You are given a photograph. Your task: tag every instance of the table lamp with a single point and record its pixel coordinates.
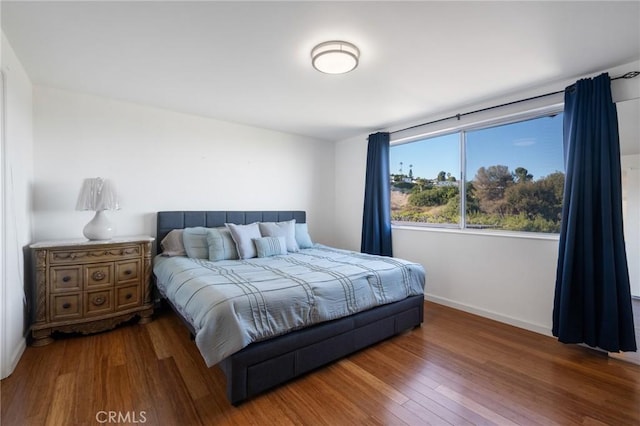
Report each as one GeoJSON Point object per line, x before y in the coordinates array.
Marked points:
{"type": "Point", "coordinates": [98, 194]}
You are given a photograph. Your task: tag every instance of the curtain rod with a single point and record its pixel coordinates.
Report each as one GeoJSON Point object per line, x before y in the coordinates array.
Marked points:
{"type": "Point", "coordinates": [630, 74]}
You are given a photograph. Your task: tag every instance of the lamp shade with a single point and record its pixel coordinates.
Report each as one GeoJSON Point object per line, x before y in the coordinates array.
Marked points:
{"type": "Point", "coordinates": [97, 194]}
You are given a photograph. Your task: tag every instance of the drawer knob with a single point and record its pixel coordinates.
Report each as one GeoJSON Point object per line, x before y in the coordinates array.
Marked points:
{"type": "Point", "coordinates": [98, 275]}
{"type": "Point", "coordinates": [66, 305]}
{"type": "Point", "coordinates": [128, 272]}
{"type": "Point", "coordinates": [128, 296]}
{"type": "Point", "coordinates": [99, 300]}
{"type": "Point", "coordinates": [66, 278]}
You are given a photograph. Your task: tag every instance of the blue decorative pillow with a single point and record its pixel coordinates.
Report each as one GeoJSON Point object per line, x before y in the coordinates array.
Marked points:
{"type": "Point", "coordinates": [281, 229]}
{"type": "Point", "coordinates": [302, 236]}
{"type": "Point", "coordinates": [270, 246]}
{"type": "Point", "coordinates": [195, 242]}
{"type": "Point", "coordinates": [221, 244]}
{"type": "Point", "coordinates": [243, 236]}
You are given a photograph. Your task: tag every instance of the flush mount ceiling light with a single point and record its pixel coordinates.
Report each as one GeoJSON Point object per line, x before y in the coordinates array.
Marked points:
{"type": "Point", "coordinates": [335, 57]}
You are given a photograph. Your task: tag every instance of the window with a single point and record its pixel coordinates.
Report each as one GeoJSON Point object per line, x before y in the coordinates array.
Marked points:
{"type": "Point", "coordinates": [511, 173]}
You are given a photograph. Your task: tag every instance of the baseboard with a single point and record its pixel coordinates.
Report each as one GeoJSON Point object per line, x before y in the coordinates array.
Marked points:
{"type": "Point", "coordinates": [536, 328]}
{"type": "Point", "coordinates": [8, 368]}
{"type": "Point", "coordinates": [632, 357]}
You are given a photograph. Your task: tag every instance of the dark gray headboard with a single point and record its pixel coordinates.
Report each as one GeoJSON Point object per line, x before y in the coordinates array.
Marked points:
{"type": "Point", "coordinates": [211, 219]}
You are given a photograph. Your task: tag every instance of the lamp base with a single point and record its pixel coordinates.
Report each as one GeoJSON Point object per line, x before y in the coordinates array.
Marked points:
{"type": "Point", "coordinates": [99, 228]}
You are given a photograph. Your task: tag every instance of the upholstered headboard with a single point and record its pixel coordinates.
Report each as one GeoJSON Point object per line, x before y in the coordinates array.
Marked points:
{"type": "Point", "coordinates": [211, 219]}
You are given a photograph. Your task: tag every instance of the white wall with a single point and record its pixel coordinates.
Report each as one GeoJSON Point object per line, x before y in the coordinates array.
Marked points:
{"type": "Point", "coordinates": [628, 114]}
{"type": "Point", "coordinates": [631, 205]}
{"type": "Point", "coordinates": [162, 160]}
{"type": "Point", "coordinates": [631, 215]}
{"type": "Point", "coordinates": [507, 278]}
{"type": "Point", "coordinates": [16, 184]}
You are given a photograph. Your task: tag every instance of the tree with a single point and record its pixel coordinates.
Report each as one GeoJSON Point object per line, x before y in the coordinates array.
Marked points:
{"type": "Point", "coordinates": [396, 178]}
{"type": "Point", "coordinates": [471, 201]}
{"type": "Point", "coordinates": [522, 175]}
{"type": "Point", "coordinates": [556, 182]}
{"type": "Point", "coordinates": [403, 186]}
{"type": "Point", "coordinates": [436, 196]}
{"type": "Point", "coordinates": [540, 199]}
{"type": "Point", "coordinates": [490, 185]}
{"type": "Point", "coordinates": [442, 176]}
{"type": "Point", "coordinates": [422, 184]}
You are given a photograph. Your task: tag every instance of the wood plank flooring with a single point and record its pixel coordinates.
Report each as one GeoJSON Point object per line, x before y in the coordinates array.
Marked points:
{"type": "Point", "coordinates": [456, 369]}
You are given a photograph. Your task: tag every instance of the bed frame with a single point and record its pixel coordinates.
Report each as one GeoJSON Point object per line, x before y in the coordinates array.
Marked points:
{"type": "Point", "coordinates": [263, 365]}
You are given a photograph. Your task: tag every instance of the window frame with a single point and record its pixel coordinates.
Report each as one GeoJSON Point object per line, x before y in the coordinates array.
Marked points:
{"type": "Point", "coordinates": [462, 129]}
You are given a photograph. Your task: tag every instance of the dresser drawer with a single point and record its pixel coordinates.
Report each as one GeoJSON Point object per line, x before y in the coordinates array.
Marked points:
{"type": "Point", "coordinates": [66, 278]}
{"type": "Point", "coordinates": [98, 275]}
{"type": "Point", "coordinates": [94, 255]}
{"type": "Point", "coordinates": [98, 302]}
{"type": "Point", "coordinates": [127, 297]}
{"type": "Point", "coordinates": [66, 306]}
{"type": "Point", "coordinates": [127, 271]}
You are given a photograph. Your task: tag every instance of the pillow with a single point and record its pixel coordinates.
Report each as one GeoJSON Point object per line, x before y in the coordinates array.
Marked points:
{"type": "Point", "coordinates": [281, 229]}
{"type": "Point", "coordinates": [302, 236]}
{"type": "Point", "coordinates": [243, 236]}
{"type": "Point", "coordinates": [172, 244]}
{"type": "Point", "coordinates": [195, 242]}
{"type": "Point", "coordinates": [221, 245]}
{"type": "Point", "coordinates": [270, 246]}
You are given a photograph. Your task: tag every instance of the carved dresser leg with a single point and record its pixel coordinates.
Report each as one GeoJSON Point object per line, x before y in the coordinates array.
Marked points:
{"type": "Point", "coordinates": [41, 337]}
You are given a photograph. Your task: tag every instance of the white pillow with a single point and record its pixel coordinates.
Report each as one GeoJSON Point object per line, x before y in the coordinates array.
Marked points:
{"type": "Point", "coordinates": [281, 229]}
{"type": "Point", "coordinates": [243, 236]}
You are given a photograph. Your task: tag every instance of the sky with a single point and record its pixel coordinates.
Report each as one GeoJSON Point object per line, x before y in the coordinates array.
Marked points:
{"type": "Point", "coordinates": [534, 144]}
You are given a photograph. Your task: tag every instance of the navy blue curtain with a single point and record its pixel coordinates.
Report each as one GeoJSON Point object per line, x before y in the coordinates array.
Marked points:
{"type": "Point", "coordinates": [376, 218]}
{"type": "Point", "coordinates": [592, 298]}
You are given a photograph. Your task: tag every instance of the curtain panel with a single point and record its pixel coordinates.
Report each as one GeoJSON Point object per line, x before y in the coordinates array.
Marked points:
{"type": "Point", "coordinates": [592, 296]}
{"type": "Point", "coordinates": [376, 219]}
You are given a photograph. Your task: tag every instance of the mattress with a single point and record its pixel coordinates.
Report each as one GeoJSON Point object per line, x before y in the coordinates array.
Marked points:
{"type": "Point", "coordinates": [232, 303]}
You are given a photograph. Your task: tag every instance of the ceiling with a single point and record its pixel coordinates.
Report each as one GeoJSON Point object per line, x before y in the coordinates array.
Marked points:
{"type": "Point", "coordinates": [249, 62]}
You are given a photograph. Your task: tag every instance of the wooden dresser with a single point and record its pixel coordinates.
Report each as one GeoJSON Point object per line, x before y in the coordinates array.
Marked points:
{"type": "Point", "coordinates": [89, 286]}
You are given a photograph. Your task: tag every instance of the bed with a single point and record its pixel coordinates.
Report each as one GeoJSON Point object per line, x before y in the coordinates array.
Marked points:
{"type": "Point", "coordinates": [267, 358]}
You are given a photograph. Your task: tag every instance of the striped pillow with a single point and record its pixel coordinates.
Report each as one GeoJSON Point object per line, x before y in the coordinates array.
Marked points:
{"type": "Point", "coordinates": [270, 246]}
{"type": "Point", "coordinates": [281, 229]}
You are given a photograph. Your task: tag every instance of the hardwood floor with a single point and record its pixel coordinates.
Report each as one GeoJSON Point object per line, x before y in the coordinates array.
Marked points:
{"type": "Point", "coordinates": [456, 369]}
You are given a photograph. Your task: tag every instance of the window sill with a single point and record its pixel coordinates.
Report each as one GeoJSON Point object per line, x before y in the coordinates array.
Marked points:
{"type": "Point", "coordinates": [484, 232]}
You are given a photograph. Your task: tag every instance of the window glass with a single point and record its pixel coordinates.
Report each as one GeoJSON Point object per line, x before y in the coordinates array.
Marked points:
{"type": "Point", "coordinates": [425, 181]}
{"type": "Point", "coordinates": [513, 178]}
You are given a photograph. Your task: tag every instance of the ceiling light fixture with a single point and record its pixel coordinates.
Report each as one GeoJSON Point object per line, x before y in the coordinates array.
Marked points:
{"type": "Point", "coordinates": [335, 57]}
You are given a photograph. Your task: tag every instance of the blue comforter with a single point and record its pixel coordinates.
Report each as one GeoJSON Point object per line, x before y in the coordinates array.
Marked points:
{"type": "Point", "coordinates": [233, 303]}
